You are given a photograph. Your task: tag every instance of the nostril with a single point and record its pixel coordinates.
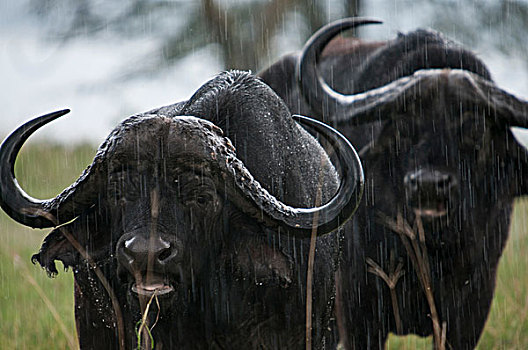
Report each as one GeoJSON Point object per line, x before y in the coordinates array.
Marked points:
{"type": "Point", "coordinates": [138, 251]}
{"type": "Point", "coordinates": [165, 254]}
{"type": "Point", "coordinates": [411, 181]}
{"type": "Point", "coordinates": [135, 250]}
{"type": "Point", "coordinates": [127, 251]}
{"type": "Point", "coordinates": [130, 246]}
{"type": "Point", "coordinates": [446, 182]}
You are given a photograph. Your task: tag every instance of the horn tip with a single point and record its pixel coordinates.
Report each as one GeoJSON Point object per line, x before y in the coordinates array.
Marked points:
{"type": "Point", "coordinates": [63, 111]}
{"type": "Point", "coordinates": [54, 115]}
{"type": "Point", "coordinates": [363, 20]}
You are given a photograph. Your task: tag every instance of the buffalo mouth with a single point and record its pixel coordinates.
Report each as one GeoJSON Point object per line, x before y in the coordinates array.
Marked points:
{"type": "Point", "coordinates": [152, 289]}
{"type": "Point", "coordinates": [436, 210]}
{"type": "Point", "coordinates": [152, 286]}
{"type": "Point", "coordinates": [430, 208]}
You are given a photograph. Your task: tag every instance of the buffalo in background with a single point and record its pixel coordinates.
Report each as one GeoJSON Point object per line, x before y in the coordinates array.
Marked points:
{"type": "Point", "coordinates": [442, 169]}
{"type": "Point", "coordinates": [173, 230]}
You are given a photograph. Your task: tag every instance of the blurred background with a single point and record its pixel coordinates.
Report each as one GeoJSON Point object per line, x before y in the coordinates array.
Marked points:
{"type": "Point", "coordinates": [109, 59]}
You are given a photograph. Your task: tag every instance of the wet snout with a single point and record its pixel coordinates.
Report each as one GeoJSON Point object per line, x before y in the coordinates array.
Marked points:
{"type": "Point", "coordinates": [139, 250]}
{"type": "Point", "coordinates": [150, 261]}
{"type": "Point", "coordinates": [429, 181]}
{"type": "Point", "coordinates": [428, 191]}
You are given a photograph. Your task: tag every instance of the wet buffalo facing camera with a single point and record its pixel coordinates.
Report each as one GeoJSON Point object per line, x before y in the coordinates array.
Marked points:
{"type": "Point", "coordinates": [171, 229]}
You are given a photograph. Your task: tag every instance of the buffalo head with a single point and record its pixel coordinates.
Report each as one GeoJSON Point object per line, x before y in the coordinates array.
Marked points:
{"type": "Point", "coordinates": [440, 160]}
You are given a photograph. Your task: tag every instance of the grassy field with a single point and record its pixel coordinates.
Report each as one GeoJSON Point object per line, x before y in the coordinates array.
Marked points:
{"type": "Point", "coordinates": [36, 312]}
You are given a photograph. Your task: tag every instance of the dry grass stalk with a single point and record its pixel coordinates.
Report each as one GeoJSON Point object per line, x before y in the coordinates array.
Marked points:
{"type": "Point", "coordinates": [522, 318]}
{"type": "Point", "coordinates": [311, 258]}
{"type": "Point", "coordinates": [391, 280]}
{"type": "Point", "coordinates": [417, 252]}
{"type": "Point", "coordinates": [100, 276]}
{"type": "Point", "coordinates": [144, 334]}
{"type": "Point", "coordinates": [309, 286]}
{"type": "Point", "coordinates": [69, 337]}
{"type": "Point", "coordinates": [339, 314]}
{"type": "Point", "coordinates": [154, 214]}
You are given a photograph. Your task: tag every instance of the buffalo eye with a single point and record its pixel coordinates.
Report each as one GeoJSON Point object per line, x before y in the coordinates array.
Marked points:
{"type": "Point", "coordinates": [473, 132]}
{"type": "Point", "coordinates": [198, 197]}
{"type": "Point", "coordinates": [202, 199]}
{"type": "Point", "coordinates": [197, 191]}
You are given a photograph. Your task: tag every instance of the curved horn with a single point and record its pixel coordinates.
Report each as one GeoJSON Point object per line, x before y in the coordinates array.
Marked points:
{"type": "Point", "coordinates": [301, 221]}
{"type": "Point", "coordinates": [374, 104]}
{"type": "Point", "coordinates": [470, 87]}
{"type": "Point", "coordinates": [321, 97]}
{"type": "Point", "coordinates": [453, 84]}
{"type": "Point", "coordinates": [246, 192]}
{"type": "Point", "coordinates": [15, 201]}
{"type": "Point", "coordinates": [344, 204]}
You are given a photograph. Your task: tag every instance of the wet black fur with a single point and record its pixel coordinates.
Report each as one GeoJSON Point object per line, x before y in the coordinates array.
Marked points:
{"type": "Point", "coordinates": [464, 140]}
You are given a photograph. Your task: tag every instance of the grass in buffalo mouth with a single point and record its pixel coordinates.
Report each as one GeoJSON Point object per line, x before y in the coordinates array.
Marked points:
{"type": "Point", "coordinates": [143, 331]}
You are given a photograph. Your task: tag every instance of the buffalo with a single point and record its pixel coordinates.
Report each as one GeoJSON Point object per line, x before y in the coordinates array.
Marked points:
{"type": "Point", "coordinates": [181, 237]}
{"type": "Point", "coordinates": [351, 66]}
{"type": "Point", "coordinates": [442, 169]}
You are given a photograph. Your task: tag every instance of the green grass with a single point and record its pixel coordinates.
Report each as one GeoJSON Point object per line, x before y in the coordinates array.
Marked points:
{"type": "Point", "coordinates": [26, 322]}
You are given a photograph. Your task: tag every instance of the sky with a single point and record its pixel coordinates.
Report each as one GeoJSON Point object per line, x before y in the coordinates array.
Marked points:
{"type": "Point", "coordinates": [85, 75]}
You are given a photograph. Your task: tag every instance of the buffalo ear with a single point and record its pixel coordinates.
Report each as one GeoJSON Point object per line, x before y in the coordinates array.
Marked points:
{"type": "Point", "coordinates": [257, 260]}
{"type": "Point", "coordinates": [56, 247]}
{"type": "Point", "coordinates": [523, 171]}
{"type": "Point", "coordinates": [250, 256]}
{"type": "Point", "coordinates": [520, 155]}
